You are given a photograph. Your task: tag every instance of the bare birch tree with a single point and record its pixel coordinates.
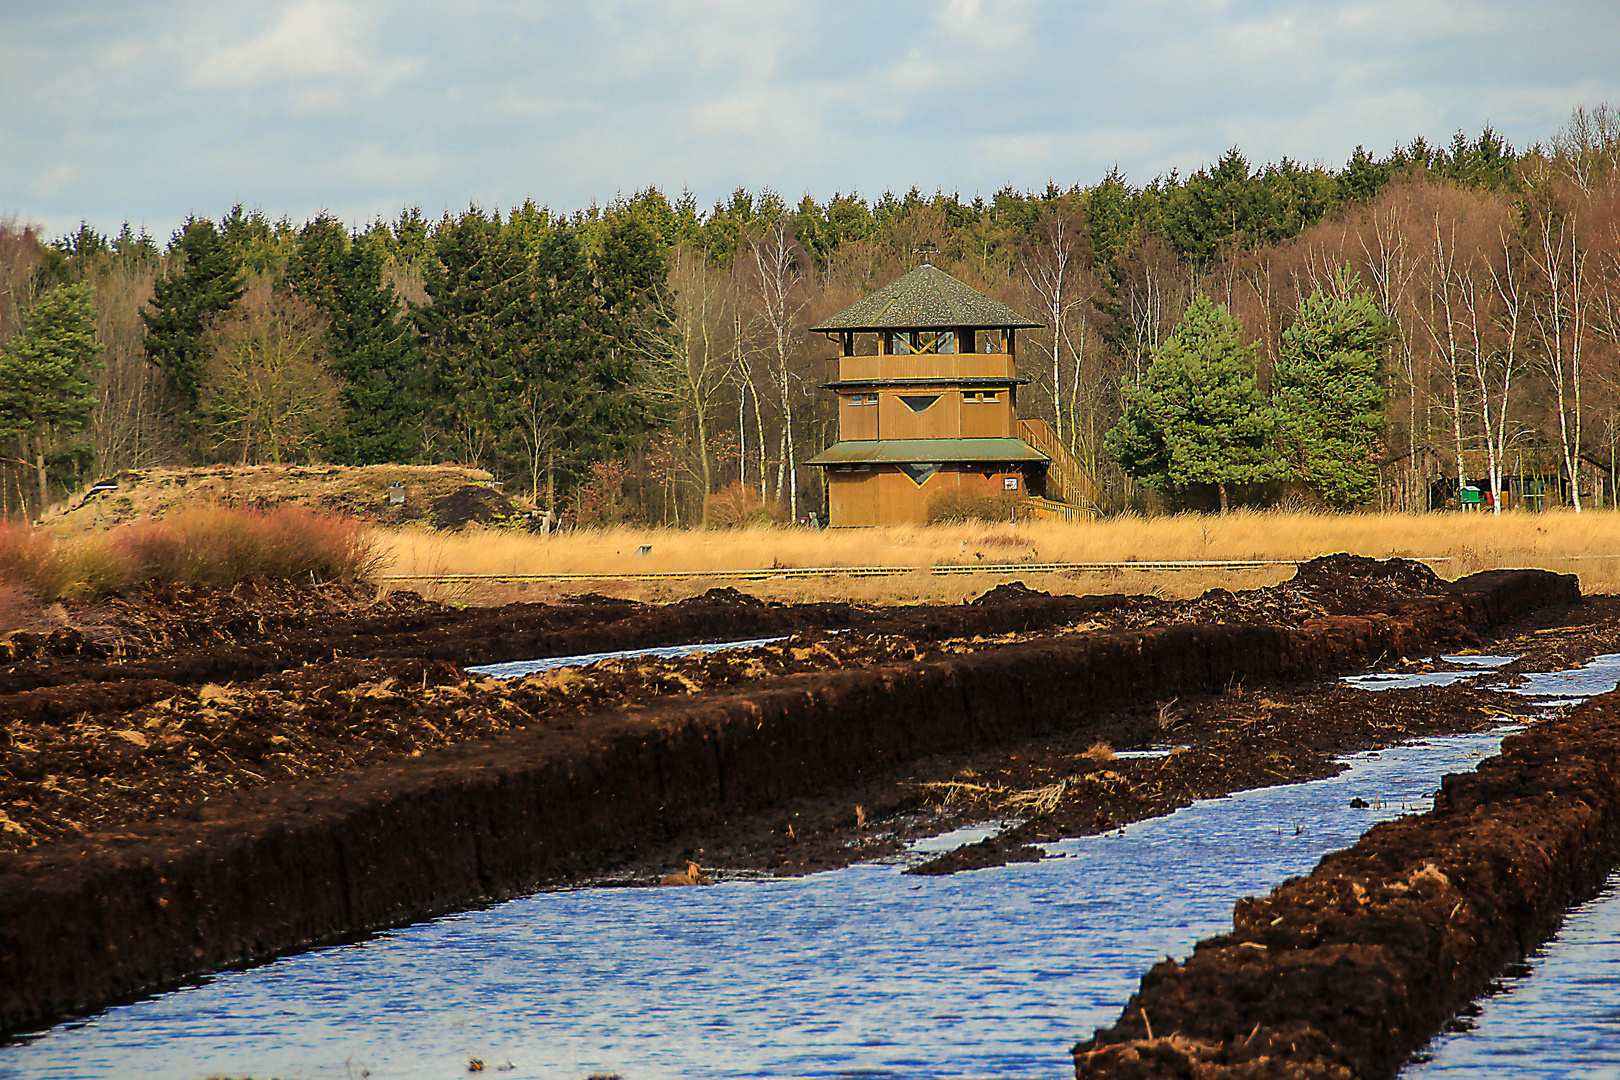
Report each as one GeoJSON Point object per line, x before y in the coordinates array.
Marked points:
{"type": "Point", "coordinates": [1393, 265]}
{"type": "Point", "coordinates": [777, 279]}
{"type": "Point", "coordinates": [686, 356]}
{"type": "Point", "coordinates": [1559, 259]}
{"type": "Point", "coordinates": [1442, 321]}
{"type": "Point", "coordinates": [1055, 266]}
{"type": "Point", "coordinates": [1495, 309]}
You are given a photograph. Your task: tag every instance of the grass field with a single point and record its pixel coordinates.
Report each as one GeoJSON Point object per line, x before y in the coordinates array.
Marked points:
{"type": "Point", "coordinates": [1563, 541]}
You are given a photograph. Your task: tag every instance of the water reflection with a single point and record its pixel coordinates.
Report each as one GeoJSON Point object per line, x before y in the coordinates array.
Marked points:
{"type": "Point", "coordinates": [516, 669]}
{"type": "Point", "coordinates": [863, 970]}
{"type": "Point", "coordinates": [1561, 1019]}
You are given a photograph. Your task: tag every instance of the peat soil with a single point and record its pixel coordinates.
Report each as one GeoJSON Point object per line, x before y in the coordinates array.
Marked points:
{"type": "Point", "coordinates": [151, 704]}
{"type": "Point", "coordinates": [1347, 971]}
{"type": "Point", "coordinates": [1206, 746]}
{"type": "Point", "coordinates": [195, 779]}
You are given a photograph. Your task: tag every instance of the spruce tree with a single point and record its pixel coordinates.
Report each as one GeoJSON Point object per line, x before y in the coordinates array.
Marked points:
{"type": "Point", "coordinates": [202, 282]}
{"type": "Point", "coordinates": [477, 333]}
{"type": "Point", "coordinates": [367, 345]}
{"type": "Point", "coordinates": [1198, 417]}
{"type": "Point", "coordinates": [47, 372]}
{"type": "Point", "coordinates": [1330, 401]}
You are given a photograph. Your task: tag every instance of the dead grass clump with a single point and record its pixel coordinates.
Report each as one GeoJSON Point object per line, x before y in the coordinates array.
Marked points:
{"type": "Point", "coordinates": [220, 546]}
{"type": "Point", "coordinates": [1099, 751]}
{"type": "Point", "coordinates": [51, 569]}
{"type": "Point", "coordinates": [738, 505]}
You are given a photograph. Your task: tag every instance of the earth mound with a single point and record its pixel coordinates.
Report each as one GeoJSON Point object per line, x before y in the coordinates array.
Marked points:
{"type": "Point", "coordinates": [436, 496]}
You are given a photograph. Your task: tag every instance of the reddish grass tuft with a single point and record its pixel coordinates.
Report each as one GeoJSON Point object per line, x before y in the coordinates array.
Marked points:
{"type": "Point", "coordinates": [961, 505]}
{"type": "Point", "coordinates": [738, 505]}
{"type": "Point", "coordinates": [51, 569]}
{"type": "Point", "coordinates": [204, 546]}
{"type": "Point", "coordinates": [220, 546]}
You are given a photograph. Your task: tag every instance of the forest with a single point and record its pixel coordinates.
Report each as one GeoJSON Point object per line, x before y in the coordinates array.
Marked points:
{"type": "Point", "coordinates": [1389, 335]}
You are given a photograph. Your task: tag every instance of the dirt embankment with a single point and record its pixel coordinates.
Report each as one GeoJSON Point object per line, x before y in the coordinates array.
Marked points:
{"type": "Point", "coordinates": [1347, 971]}
{"type": "Point", "coordinates": [562, 786]}
{"type": "Point", "coordinates": [434, 496]}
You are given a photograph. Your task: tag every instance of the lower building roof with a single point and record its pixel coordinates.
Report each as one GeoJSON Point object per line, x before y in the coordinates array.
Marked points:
{"type": "Point", "coordinates": [902, 451]}
{"type": "Point", "coordinates": [901, 384]}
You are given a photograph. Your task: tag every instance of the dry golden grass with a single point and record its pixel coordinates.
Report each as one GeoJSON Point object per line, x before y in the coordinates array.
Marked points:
{"type": "Point", "coordinates": [1561, 541]}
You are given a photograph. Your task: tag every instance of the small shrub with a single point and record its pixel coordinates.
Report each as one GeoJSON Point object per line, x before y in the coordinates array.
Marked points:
{"type": "Point", "coordinates": [601, 501]}
{"type": "Point", "coordinates": [737, 506]}
{"type": "Point", "coordinates": [963, 504]}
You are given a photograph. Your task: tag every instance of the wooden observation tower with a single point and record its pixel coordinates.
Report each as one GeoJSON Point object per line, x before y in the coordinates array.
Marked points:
{"type": "Point", "coordinates": [928, 403]}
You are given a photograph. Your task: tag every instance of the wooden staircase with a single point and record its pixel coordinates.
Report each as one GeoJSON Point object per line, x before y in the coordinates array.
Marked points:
{"type": "Point", "coordinates": [1068, 484]}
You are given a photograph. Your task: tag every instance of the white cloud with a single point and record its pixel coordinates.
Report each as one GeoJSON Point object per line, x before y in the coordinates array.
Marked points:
{"type": "Point", "coordinates": [364, 106]}
{"type": "Point", "coordinates": [312, 37]}
{"type": "Point", "coordinates": [55, 179]}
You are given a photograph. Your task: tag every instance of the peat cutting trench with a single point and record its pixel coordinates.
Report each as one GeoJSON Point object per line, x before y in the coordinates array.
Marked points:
{"type": "Point", "coordinates": [199, 780]}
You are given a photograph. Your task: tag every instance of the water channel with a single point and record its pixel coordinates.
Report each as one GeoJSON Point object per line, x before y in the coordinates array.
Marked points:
{"type": "Point", "coordinates": [854, 972]}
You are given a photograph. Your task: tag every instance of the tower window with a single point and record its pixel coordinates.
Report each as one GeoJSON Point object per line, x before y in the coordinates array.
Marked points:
{"type": "Point", "coordinates": [919, 471]}
{"type": "Point", "coordinates": [922, 341]}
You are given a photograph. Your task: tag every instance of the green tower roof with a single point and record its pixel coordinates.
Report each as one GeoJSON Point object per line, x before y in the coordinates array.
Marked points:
{"type": "Point", "coordinates": [926, 299]}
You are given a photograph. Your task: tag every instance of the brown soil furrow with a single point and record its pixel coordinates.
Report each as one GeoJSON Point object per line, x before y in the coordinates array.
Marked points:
{"type": "Point", "coordinates": [296, 864]}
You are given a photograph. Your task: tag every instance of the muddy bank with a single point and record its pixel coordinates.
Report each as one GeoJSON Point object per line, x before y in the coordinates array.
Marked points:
{"type": "Point", "coordinates": [1346, 972]}
{"type": "Point", "coordinates": [201, 693]}
{"type": "Point", "coordinates": [289, 865]}
{"type": "Point", "coordinates": [186, 636]}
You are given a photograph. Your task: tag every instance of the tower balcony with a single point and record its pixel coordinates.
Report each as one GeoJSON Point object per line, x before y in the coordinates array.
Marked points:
{"type": "Point", "coordinates": [926, 366]}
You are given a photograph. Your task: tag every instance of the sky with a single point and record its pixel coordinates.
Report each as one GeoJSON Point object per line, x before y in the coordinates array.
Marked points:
{"type": "Point", "coordinates": [152, 110]}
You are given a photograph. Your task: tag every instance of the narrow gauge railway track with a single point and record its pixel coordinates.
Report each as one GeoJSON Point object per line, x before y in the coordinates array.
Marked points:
{"type": "Point", "coordinates": [766, 573]}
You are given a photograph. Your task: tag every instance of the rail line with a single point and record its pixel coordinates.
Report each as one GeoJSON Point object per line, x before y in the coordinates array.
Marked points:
{"type": "Point", "coordinates": [999, 569]}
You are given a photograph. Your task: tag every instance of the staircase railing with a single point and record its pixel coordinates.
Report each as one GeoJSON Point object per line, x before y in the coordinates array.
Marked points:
{"type": "Point", "coordinates": [1067, 480]}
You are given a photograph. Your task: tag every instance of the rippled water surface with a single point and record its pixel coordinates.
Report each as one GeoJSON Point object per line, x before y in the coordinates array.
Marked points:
{"type": "Point", "coordinates": [516, 669]}
{"type": "Point", "coordinates": [1562, 1019]}
{"type": "Point", "coordinates": [855, 972]}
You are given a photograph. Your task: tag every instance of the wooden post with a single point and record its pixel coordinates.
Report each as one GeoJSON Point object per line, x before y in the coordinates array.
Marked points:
{"type": "Point", "coordinates": [44, 485]}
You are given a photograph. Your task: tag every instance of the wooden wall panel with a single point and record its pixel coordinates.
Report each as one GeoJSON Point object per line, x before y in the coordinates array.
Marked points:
{"type": "Point", "coordinates": [941, 420]}
{"type": "Point", "coordinates": [887, 496]}
{"type": "Point", "coordinates": [852, 499]}
{"type": "Point", "coordinates": [858, 422]}
{"type": "Point", "coordinates": [988, 420]}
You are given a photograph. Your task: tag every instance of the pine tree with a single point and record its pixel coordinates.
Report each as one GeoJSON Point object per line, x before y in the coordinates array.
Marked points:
{"type": "Point", "coordinates": [202, 281]}
{"type": "Point", "coordinates": [1330, 402]}
{"type": "Point", "coordinates": [47, 372]}
{"type": "Point", "coordinates": [1198, 417]}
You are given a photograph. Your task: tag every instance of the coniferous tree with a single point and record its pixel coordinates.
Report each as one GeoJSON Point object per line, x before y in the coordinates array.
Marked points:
{"type": "Point", "coordinates": [47, 372]}
{"type": "Point", "coordinates": [1330, 401]}
{"type": "Point", "coordinates": [477, 332]}
{"type": "Point", "coordinates": [204, 283]}
{"type": "Point", "coordinates": [1198, 417]}
{"type": "Point", "coordinates": [367, 345]}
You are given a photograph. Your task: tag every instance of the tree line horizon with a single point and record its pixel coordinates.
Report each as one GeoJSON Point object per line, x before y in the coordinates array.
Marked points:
{"type": "Point", "coordinates": [1342, 338]}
